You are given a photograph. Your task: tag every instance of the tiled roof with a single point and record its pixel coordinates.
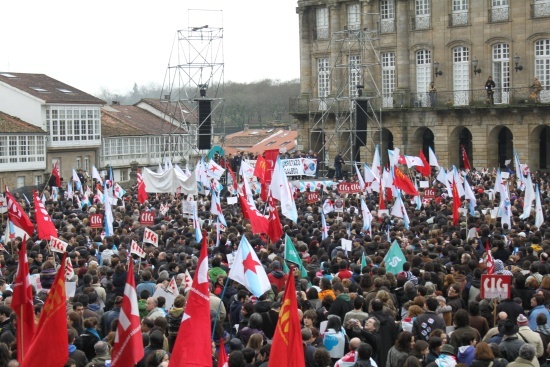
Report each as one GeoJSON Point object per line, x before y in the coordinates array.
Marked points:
{"type": "Point", "coordinates": [47, 89]}
{"type": "Point", "coordinates": [172, 109]}
{"type": "Point", "coordinates": [14, 125]}
{"type": "Point", "coordinates": [131, 121]}
{"type": "Point", "coordinates": [257, 141]}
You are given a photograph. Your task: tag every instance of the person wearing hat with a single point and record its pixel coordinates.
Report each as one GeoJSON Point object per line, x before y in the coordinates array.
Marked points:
{"type": "Point", "coordinates": [234, 344]}
{"type": "Point", "coordinates": [277, 277]}
{"type": "Point", "coordinates": [447, 357]}
{"type": "Point", "coordinates": [528, 335]}
{"type": "Point", "coordinates": [510, 344]}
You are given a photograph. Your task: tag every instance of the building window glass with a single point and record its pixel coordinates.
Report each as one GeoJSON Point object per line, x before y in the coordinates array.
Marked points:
{"type": "Point", "coordinates": [422, 12]}
{"type": "Point", "coordinates": [354, 74]}
{"type": "Point", "coordinates": [388, 78]}
{"type": "Point", "coordinates": [323, 81]}
{"type": "Point", "coordinates": [542, 67]}
{"type": "Point", "coordinates": [499, 11]}
{"type": "Point", "coordinates": [461, 76]}
{"type": "Point", "coordinates": [22, 149]}
{"type": "Point", "coordinates": [322, 23]}
{"type": "Point", "coordinates": [423, 76]}
{"type": "Point", "coordinates": [387, 13]}
{"type": "Point", "coordinates": [38, 179]}
{"type": "Point", "coordinates": [501, 72]}
{"type": "Point", "coordinates": [73, 123]}
{"type": "Point", "coordinates": [459, 16]}
{"type": "Point", "coordinates": [20, 182]}
{"type": "Point", "coordinates": [354, 17]}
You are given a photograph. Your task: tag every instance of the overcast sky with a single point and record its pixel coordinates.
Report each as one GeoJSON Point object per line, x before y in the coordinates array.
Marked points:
{"type": "Point", "coordinates": [114, 44]}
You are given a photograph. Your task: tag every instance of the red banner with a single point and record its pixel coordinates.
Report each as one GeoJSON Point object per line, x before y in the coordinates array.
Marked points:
{"type": "Point", "coordinates": [96, 220]}
{"type": "Point", "coordinates": [349, 187]}
{"type": "Point", "coordinates": [429, 193]}
{"type": "Point", "coordinates": [147, 218]}
{"type": "Point", "coordinates": [312, 197]}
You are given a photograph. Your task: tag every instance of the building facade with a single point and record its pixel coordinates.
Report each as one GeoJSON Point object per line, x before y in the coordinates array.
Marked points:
{"type": "Point", "coordinates": [65, 119]}
{"type": "Point", "coordinates": [366, 69]}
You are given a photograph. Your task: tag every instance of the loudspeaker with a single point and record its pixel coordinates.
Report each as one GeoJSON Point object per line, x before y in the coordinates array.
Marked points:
{"type": "Point", "coordinates": [205, 124]}
{"type": "Point", "coordinates": [361, 116]}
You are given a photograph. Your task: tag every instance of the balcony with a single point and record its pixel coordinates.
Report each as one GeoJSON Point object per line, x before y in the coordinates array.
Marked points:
{"type": "Point", "coordinates": [503, 98]}
{"type": "Point", "coordinates": [501, 14]}
{"type": "Point", "coordinates": [540, 9]}
{"type": "Point", "coordinates": [420, 22]}
{"type": "Point", "coordinates": [459, 18]}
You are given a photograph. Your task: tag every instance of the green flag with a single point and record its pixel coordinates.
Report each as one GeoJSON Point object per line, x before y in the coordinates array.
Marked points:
{"type": "Point", "coordinates": [363, 262]}
{"type": "Point", "coordinates": [292, 255]}
{"type": "Point", "coordinates": [394, 259]}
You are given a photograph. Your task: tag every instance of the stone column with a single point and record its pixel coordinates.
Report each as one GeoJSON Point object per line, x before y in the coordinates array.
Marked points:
{"type": "Point", "coordinates": [304, 15]}
{"type": "Point", "coordinates": [402, 51]}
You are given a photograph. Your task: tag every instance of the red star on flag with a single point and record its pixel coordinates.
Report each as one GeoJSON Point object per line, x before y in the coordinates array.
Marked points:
{"type": "Point", "coordinates": [213, 168]}
{"type": "Point", "coordinates": [250, 264]}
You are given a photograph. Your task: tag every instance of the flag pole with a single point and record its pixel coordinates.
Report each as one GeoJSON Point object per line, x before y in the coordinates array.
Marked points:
{"type": "Point", "coordinates": [219, 307]}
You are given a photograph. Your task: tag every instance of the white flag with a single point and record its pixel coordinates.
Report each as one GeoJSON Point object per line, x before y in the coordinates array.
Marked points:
{"type": "Point", "coordinates": [539, 218]}
{"type": "Point", "coordinates": [151, 237]}
{"type": "Point", "coordinates": [187, 280]}
{"type": "Point", "coordinates": [214, 170]}
{"type": "Point", "coordinates": [432, 158]}
{"type": "Point", "coordinates": [95, 174]}
{"type": "Point", "coordinates": [529, 198]}
{"type": "Point", "coordinates": [57, 245]}
{"type": "Point", "coordinates": [280, 190]}
{"type": "Point", "coordinates": [135, 249]}
{"type": "Point", "coordinates": [367, 216]}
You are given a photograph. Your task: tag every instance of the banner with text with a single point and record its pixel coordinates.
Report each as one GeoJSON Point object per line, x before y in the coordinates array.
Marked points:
{"type": "Point", "coordinates": [295, 167]}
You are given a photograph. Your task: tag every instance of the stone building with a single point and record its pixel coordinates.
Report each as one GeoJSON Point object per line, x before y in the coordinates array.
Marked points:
{"type": "Point", "coordinates": [366, 68]}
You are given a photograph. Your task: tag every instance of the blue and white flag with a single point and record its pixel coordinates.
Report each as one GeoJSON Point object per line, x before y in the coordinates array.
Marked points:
{"type": "Point", "coordinates": [118, 191]}
{"type": "Point", "coordinates": [248, 271]}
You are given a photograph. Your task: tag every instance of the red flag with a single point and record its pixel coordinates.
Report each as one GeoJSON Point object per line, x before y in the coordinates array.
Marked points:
{"type": "Point", "coordinates": [193, 346]}
{"type": "Point", "coordinates": [222, 355]}
{"type": "Point", "coordinates": [128, 347]}
{"type": "Point", "coordinates": [142, 194]}
{"type": "Point", "coordinates": [275, 230]}
{"type": "Point", "coordinates": [270, 157]}
{"type": "Point", "coordinates": [287, 341]}
{"type": "Point", "coordinates": [258, 222]}
{"type": "Point", "coordinates": [401, 159]}
{"type": "Point", "coordinates": [51, 330]}
{"type": "Point", "coordinates": [456, 203]}
{"type": "Point", "coordinates": [46, 228]}
{"type": "Point", "coordinates": [56, 174]}
{"type": "Point", "coordinates": [260, 170]}
{"type": "Point", "coordinates": [465, 159]}
{"type": "Point", "coordinates": [425, 170]}
{"type": "Point", "coordinates": [490, 261]}
{"type": "Point", "coordinates": [403, 182]}
{"type": "Point", "coordinates": [17, 215]}
{"type": "Point", "coordinates": [23, 305]}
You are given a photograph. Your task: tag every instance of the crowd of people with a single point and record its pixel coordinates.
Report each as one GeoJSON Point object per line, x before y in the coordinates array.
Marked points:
{"type": "Point", "coordinates": [429, 314]}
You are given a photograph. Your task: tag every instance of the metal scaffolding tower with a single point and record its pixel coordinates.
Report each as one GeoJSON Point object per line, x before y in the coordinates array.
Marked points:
{"type": "Point", "coordinates": [348, 119]}
{"type": "Point", "coordinates": [193, 86]}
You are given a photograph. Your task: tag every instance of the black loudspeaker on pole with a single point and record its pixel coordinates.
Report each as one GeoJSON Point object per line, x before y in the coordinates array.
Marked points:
{"type": "Point", "coordinates": [361, 117]}
{"type": "Point", "coordinates": [205, 124]}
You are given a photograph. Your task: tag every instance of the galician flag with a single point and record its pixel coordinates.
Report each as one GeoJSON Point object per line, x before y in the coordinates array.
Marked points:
{"type": "Point", "coordinates": [394, 259]}
{"type": "Point", "coordinates": [248, 271]}
{"type": "Point", "coordinates": [292, 255]}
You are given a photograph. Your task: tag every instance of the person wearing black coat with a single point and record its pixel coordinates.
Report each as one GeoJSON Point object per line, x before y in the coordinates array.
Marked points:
{"type": "Point", "coordinates": [512, 309]}
{"type": "Point", "coordinates": [342, 304]}
{"type": "Point", "coordinates": [389, 334]}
